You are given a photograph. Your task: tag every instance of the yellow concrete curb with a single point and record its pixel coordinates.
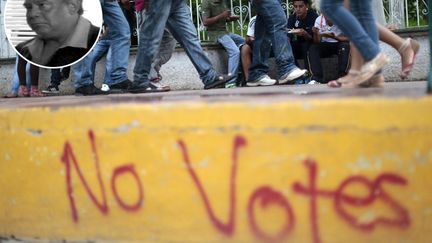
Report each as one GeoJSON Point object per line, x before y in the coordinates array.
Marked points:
{"type": "Point", "coordinates": [336, 170]}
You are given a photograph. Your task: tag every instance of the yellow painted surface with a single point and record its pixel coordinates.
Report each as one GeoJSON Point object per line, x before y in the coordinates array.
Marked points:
{"type": "Point", "coordinates": [255, 164]}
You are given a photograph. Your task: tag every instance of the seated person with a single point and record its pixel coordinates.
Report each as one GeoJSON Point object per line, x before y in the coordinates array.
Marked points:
{"type": "Point", "coordinates": [62, 35]}
{"type": "Point", "coordinates": [328, 40]}
{"type": "Point", "coordinates": [215, 16]}
{"type": "Point", "coordinates": [300, 25]}
{"type": "Point", "coordinates": [246, 50]}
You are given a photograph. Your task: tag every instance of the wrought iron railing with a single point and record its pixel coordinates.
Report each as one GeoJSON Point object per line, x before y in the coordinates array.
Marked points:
{"type": "Point", "coordinates": [399, 13]}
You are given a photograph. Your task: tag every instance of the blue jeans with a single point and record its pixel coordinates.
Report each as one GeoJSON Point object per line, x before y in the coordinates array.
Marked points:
{"type": "Point", "coordinates": [120, 35]}
{"type": "Point", "coordinates": [359, 24]}
{"type": "Point", "coordinates": [175, 15]}
{"type": "Point", "coordinates": [231, 43]}
{"type": "Point", "coordinates": [165, 51]}
{"type": "Point", "coordinates": [269, 31]}
{"type": "Point", "coordinates": [15, 79]}
{"type": "Point", "coordinates": [85, 69]}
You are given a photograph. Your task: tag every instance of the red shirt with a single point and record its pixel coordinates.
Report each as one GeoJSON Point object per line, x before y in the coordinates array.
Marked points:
{"type": "Point", "coordinates": [139, 5]}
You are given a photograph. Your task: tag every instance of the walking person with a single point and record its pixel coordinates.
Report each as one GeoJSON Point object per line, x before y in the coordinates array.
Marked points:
{"type": "Point", "coordinates": [175, 15]}
{"type": "Point", "coordinates": [270, 31]}
{"type": "Point", "coordinates": [407, 48]}
{"type": "Point", "coordinates": [166, 48]}
{"type": "Point", "coordinates": [119, 33]}
{"type": "Point", "coordinates": [360, 27]}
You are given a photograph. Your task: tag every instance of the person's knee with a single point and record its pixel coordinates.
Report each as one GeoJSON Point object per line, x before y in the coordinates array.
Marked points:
{"type": "Point", "coordinates": [235, 52]}
{"type": "Point", "coordinates": [245, 50]}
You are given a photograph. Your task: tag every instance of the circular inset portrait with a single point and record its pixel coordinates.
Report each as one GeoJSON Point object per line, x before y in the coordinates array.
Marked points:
{"type": "Point", "coordinates": [53, 33]}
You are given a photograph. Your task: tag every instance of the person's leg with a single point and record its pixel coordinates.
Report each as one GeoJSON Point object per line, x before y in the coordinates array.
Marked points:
{"type": "Point", "coordinates": [361, 32]}
{"type": "Point", "coordinates": [296, 52]}
{"type": "Point", "coordinates": [55, 76]}
{"type": "Point", "coordinates": [239, 41]}
{"type": "Point", "coordinates": [351, 26]}
{"type": "Point", "coordinates": [34, 75]}
{"type": "Point", "coordinates": [355, 67]}
{"type": "Point", "coordinates": [15, 80]}
{"type": "Point", "coordinates": [21, 68]}
{"type": "Point", "coordinates": [108, 68]}
{"type": "Point", "coordinates": [274, 21]}
{"type": "Point", "coordinates": [343, 52]}
{"type": "Point", "coordinates": [150, 36]}
{"type": "Point", "coordinates": [304, 50]}
{"type": "Point", "coordinates": [102, 48]}
{"type": "Point", "coordinates": [314, 57]}
{"type": "Point", "coordinates": [65, 72]}
{"type": "Point", "coordinates": [120, 35]}
{"type": "Point", "coordinates": [83, 74]}
{"type": "Point", "coordinates": [164, 54]}
{"type": "Point", "coordinates": [407, 48]}
{"type": "Point", "coordinates": [260, 52]}
{"type": "Point", "coordinates": [84, 69]}
{"type": "Point", "coordinates": [362, 10]}
{"type": "Point", "coordinates": [246, 60]}
{"type": "Point", "coordinates": [233, 55]}
{"type": "Point", "coordinates": [185, 33]}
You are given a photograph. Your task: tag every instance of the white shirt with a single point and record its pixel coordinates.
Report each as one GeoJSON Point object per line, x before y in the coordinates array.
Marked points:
{"type": "Point", "coordinates": [323, 27]}
{"type": "Point", "coordinates": [251, 27]}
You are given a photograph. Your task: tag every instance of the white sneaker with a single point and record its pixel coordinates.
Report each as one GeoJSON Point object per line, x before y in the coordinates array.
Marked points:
{"type": "Point", "coordinates": [105, 88]}
{"type": "Point", "coordinates": [263, 81]}
{"type": "Point", "coordinates": [293, 75]}
{"type": "Point", "coordinates": [313, 82]}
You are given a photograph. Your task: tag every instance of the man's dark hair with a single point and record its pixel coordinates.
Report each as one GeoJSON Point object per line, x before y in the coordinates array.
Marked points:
{"type": "Point", "coordinates": [306, 2]}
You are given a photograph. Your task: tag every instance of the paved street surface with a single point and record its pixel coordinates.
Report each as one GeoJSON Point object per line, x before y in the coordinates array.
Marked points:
{"type": "Point", "coordinates": [246, 94]}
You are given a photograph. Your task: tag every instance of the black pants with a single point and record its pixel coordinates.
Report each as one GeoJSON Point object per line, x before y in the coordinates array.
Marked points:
{"type": "Point", "coordinates": [300, 50]}
{"type": "Point", "coordinates": [58, 75]}
{"type": "Point", "coordinates": [328, 49]}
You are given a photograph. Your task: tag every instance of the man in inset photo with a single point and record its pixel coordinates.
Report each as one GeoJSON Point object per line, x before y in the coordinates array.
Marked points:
{"type": "Point", "coordinates": [63, 35]}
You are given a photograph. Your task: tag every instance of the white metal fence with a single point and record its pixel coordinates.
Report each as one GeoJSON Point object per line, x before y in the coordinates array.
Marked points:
{"type": "Point", "coordinates": [399, 13]}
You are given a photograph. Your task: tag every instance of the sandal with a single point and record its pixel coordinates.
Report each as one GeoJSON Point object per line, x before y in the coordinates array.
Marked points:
{"type": "Point", "coordinates": [34, 92]}
{"type": "Point", "coordinates": [23, 91]}
{"type": "Point", "coordinates": [219, 81]}
{"type": "Point", "coordinates": [415, 47]}
{"type": "Point", "coordinates": [350, 77]}
{"type": "Point", "coordinates": [369, 69]}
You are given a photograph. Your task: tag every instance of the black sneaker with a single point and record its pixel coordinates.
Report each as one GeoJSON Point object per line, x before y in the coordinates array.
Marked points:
{"type": "Point", "coordinates": [89, 90]}
{"type": "Point", "coordinates": [147, 88]}
{"type": "Point", "coordinates": [121, 86]}
{"type": "Point", "coordinates": [52, 89]}
{"type": "Point", "coordinates": [219, 81]}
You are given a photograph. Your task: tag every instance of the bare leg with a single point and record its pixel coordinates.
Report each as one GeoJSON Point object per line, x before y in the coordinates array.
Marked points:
{"type": "Point", "coordinates": [246, 59]}
{"type": "Point", "coordinates": [407, 48]}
